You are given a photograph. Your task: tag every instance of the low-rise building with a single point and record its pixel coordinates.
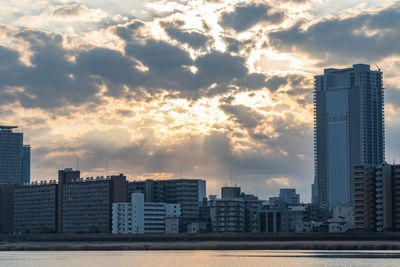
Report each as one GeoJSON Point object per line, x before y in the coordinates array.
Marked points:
{"type": "Point", "coordinates": [274, 218]}
{"type": "Point", "coordinates": [172, 225]}
{"type": "Point", "coordinates": [296, 219]}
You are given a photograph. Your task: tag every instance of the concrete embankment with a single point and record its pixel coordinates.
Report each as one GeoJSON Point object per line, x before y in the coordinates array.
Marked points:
{"type": "Point", "coordinates": [201, 245]}
{"type": "Point", "coordinates": [241, 241]}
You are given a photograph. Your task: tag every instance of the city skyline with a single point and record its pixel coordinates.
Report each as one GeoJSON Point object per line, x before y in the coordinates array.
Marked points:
{"type": "Point", "coordinates": [192, 87]}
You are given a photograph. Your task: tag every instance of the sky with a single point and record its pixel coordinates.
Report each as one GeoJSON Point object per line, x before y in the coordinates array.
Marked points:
{"type": "Point", "coordinates": [213, 89]}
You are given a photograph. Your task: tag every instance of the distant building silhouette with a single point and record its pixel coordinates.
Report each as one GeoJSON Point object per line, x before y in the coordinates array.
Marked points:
{"type": "Point", "coordinates": [26, 164]}
{"type": "Point", "coordinates": [230, 192]}
{"type": "Point", "coordinates": [289, 196]}
{"type": "Point", "coordinates": [14, 157]}
{"type": "Point", "coordinates": [349, 130]}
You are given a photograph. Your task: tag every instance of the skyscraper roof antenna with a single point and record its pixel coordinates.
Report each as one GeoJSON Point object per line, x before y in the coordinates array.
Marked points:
{"type": "Point", "coordinates": [379, 69]}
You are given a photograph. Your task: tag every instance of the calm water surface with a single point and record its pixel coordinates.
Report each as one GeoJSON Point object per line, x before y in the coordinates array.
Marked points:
{"type": "Point", "coordinates": [199, 258]}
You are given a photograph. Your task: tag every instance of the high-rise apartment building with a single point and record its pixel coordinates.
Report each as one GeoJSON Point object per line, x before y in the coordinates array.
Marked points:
{"type": "Point", "coordinates": [364, 198]}
{"type": "Point", "coordinates": [349, 130]}
{"type": "Point", "coordinates": [14, 157]}
{"type": "Point", "coordinates": [388, 197]}
{"type": "Point", "coordinates": [35, 208]}
{"type": "Point", "coordinates": [186, 192]}
{"type": "Point", "coordinates": [86, 204]}
{"type": "Point", "coordinates": [377, 197]}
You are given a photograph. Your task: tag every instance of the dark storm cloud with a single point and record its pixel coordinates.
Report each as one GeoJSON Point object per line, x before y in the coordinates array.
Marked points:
{"type": "Point", "coordinates": [168, 69]}
{"type": "Point", "coordinates": [51, 81]}
{"type": "Point", "coordinates": [244, 115]}
{"type": "Point", "coordinates": [370, 36]}
{"type": "Point", "coordinates": [159, 56]}
{"type": "Point", "coordinates": [296, 86]}
{"type": "Point", "coordinates": [191, 37]}
{"type": "Point", "coordinates": [110, 67]}
{"type": "Point", "coordinates": [233, 45]}
{"type": "Point", "coordinates": [129, 31]}
{"type": "Point", "coordinates": [245, 16]}
{"type": "Point", "coordinates": [293, 80]}
{"type": "Point", "coordinates": [220, 67]}
{"type": "Point", "coordinates": [247, 118]}
{"type": "Point", "coordinates": [60, 77]}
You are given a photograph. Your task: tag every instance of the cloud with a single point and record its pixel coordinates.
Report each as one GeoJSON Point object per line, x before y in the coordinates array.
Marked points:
{"type": "Point", "coordinates": [60, 76]}
{"type": "Point", "coordinates": [193, 38]}
{"type": "Point", "coordinates": [180, 91]}
{"type": "Point", "coordinates": [68, 10]}
{"type": "Point", "coordinates": [244, 17]}
{"type": "Point", "coordinates": [293, 81]}
{"type": "Point", "coordinates": [245, 116]}
{"type": "Point", "coordinates": [362, 37]}
{"type": "Point", "coordinates": [129, 31]}
{"type": "Point", "coordinates": [52, 81]}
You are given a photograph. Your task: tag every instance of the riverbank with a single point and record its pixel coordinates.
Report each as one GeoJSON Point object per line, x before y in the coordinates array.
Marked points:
{"type": "Point", "coordinates": [201, 245]}
{"type": "Point", "coordinates": [231, 237]}
{"type": "Point", "coordinates": [203, 241]}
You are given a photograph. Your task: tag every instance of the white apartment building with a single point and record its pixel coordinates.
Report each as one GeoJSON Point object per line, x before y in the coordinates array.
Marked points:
{"type": "Point", "coordinates": [139, 217]}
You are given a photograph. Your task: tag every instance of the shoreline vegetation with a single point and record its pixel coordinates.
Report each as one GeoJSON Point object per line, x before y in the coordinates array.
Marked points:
{"type": "Point", "coordinates": [212, 241]}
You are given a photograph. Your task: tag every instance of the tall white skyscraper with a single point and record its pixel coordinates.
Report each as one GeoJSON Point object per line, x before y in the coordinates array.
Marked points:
{"type": "Point", "coordinates": [349, 130]}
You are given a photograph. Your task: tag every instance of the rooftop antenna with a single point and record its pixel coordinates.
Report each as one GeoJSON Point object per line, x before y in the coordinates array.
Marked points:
{"type": "Point", "coordinates": [181, 173]}
{"type": "Point", "coordinates": [77, 163]}
{"type": "Point", "coordinates": [379, 69]}
{"type": "Point", "coordinates": [231, 179]}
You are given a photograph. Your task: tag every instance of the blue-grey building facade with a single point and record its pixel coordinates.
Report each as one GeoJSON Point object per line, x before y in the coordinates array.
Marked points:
{"type": "Point", "coordinates": [14, 157]}
{"type": "Point", "coordinates": [349, 130]}
{"type": "Point", "coordinates": [35, 208]}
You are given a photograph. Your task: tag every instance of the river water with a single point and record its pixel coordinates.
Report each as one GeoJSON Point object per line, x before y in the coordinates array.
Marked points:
{"type": "Point", "coordinates": [220, 258]}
